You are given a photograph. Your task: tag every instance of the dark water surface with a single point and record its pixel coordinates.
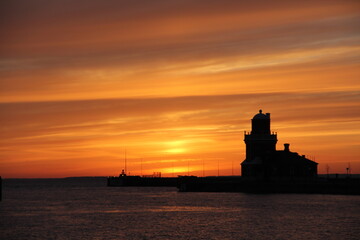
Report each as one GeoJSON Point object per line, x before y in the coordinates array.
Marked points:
{"type": "Point", "coordinates": [87, 209]}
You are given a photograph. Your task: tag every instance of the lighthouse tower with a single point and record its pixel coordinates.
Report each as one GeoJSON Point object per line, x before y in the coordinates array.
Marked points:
{"type": "Point", "coordinates": [264, 162]}
{"type": "Point", "coordinates": [260, 144]}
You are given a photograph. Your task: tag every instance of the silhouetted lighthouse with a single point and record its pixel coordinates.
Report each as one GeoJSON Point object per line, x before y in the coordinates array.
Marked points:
{"type": "Point", "coordinates": [260, 142]}
{"type": "Point", "coordinates": [263, 161]}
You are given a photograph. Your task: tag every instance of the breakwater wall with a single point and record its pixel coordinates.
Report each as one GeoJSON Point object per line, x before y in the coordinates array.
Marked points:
{"type": "Point", "coordinates": [346, 186]}
{"type": "Point", "coordinates": [132, 181]}
{"type": "Point", "coordinates": [310, 186]}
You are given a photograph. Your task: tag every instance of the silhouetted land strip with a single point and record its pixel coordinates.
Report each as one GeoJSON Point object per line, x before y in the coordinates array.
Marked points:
{"type": "Point", "coordinates": [347, 186]}
{"type": "Point", "coordinates": [237, 184]}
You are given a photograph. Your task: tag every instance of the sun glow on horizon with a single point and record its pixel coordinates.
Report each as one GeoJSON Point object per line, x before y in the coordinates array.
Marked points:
{"type": "Point", "coordinates": [176, 150]}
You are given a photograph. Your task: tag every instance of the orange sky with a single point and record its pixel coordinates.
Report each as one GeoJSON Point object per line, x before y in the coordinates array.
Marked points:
{"type": "Point", "coordinates": [175, 83]}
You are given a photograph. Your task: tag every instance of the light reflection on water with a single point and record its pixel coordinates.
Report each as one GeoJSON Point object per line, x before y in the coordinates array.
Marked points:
{"type": "Point", "coordinates": [174, 209]}
{"type": "Point", "coordinates": [87, 209]}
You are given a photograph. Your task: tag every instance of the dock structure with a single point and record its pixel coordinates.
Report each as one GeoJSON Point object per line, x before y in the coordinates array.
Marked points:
{"type": "Point", "coordinates": [347, 186]}
{"type": "Point", "coordinates": [137, 181]}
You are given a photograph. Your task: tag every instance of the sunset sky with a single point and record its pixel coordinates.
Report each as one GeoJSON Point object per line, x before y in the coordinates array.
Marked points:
{"type": "Point", "coordinates": [174, 84]}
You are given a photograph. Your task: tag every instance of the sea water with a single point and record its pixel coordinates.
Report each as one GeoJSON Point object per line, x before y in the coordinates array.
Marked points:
{"type": "Point", "coordinates": [78, 208]}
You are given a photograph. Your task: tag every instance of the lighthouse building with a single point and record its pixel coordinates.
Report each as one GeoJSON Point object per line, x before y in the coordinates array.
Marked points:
{"type": "Point", "coordinates": [263, 161]}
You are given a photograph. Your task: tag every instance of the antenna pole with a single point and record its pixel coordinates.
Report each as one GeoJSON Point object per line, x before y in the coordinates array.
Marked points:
{"type": "Point", "coordinates": [232, 167]}
{"type": "Point", "coordinates": [203, 168]}
{"type": "Point", "coordinates": [125, 162]}
{"type": "Point", "coordinates": [349, 169]}
{"type": "Point", "coordinates": [173, 170]}
{"type": "Point", "coordinates": [188, 168]}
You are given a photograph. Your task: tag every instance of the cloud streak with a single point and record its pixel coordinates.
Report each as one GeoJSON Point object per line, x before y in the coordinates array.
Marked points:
{"type": "Point", "coordinates": [47, 130]}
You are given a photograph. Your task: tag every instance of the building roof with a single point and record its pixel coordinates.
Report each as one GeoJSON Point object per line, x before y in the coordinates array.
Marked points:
{"type": "Point", "coordinates": [286, 157]}
{"type": "Point", "coordinates": [260, 115]}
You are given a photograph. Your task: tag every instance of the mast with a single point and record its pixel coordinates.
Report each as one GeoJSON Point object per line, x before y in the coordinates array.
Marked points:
{"type": "Point", "coordinates": [232, 168]}
{"type": "Point", "coordinates": [141, 167]}
{"type": "Point", "coordinates": [203, 168]}
{"type": "Point", "coordinates": [125, 163]}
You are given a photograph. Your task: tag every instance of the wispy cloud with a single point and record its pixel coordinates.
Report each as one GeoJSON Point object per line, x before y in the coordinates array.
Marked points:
{"type": "Point", "coordinates": [47, 130]}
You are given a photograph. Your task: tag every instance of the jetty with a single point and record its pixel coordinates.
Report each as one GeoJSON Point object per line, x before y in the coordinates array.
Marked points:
{"type": "Point", "coordinates": [138, 181]}
{"type": "Point", "coordinates": [346, 186]}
